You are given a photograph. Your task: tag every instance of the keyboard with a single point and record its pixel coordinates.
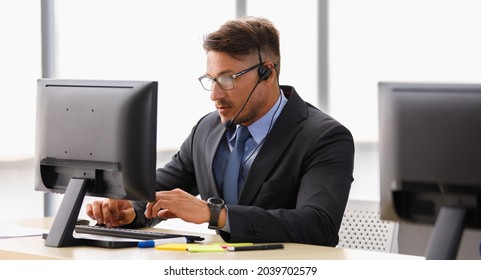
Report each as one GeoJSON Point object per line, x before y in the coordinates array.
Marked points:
{"type": "Point", "coordinates": [132, 233]}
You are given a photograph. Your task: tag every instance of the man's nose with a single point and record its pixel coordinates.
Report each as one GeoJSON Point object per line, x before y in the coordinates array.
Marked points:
{"type": "Point", "coordinates": [217, 92]}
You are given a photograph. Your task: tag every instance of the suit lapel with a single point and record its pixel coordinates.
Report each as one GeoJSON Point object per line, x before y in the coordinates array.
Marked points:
{"type": "Point", "coordinates": [277, 141]}
{"type": "Point", "coordinates": [211, 146]}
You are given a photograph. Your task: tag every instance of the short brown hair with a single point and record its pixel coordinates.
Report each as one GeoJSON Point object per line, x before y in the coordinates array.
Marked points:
{"type": "Point", "coordinates": [246, 36]}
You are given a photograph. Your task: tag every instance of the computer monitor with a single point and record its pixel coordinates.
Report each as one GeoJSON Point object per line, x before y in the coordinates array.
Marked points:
{"type": "Point", "coordinates": [96, 138]}
{"type": "Point", "coordinates": [430, 159]}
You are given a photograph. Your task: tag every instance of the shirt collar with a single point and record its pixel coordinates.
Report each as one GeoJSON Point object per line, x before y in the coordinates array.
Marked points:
{"type": "Point", "coordinates": [262, 126]}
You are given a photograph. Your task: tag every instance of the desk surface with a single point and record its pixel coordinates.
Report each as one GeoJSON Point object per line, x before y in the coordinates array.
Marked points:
{"type": "Point", "coordinates": [34, 248]}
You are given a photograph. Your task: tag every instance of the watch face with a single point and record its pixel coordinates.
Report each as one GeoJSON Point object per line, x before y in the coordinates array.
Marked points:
{"type": "Point", "coordinates": [215, 200]}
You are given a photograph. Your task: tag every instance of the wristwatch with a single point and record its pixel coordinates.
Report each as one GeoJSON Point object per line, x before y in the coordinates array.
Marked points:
{"type": "Point", "coordinates": [215, 205]}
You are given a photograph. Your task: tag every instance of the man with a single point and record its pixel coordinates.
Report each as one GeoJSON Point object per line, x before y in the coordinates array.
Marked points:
{"type": "Point", "coordinates": [296, 168]}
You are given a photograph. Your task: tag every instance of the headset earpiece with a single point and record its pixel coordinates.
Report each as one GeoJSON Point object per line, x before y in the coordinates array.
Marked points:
{"type": "Point", "coordinates": [264, 73]}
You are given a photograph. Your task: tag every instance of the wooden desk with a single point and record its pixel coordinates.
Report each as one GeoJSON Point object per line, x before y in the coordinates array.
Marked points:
{"type": "Point", "coordinates": [32, 248]}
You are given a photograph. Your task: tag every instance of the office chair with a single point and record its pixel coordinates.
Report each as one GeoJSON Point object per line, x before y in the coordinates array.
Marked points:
{"type": "Point", "coordinates": [362, 228]}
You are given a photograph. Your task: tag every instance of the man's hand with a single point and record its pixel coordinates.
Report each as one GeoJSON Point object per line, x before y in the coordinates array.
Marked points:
{"type": "Point", "coordinates": [111, 212]}
{"type": "Point", "coordinates": [178, 204]}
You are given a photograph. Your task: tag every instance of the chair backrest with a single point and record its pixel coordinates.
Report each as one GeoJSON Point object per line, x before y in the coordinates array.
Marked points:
{"type": "Point", "coordinates": [362, 228]}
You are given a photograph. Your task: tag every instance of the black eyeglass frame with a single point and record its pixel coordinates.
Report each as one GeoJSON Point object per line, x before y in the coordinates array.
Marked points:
{"type": "Point", "coordinates": [232, 77]}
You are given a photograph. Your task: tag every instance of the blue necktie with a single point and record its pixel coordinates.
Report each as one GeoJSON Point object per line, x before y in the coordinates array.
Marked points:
{"type": "Point", "coordinates": [232, 171]}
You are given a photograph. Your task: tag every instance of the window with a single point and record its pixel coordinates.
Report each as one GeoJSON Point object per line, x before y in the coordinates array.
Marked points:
{"type": "Point", "coordinates": [149, 39]}
{"type": "Point", "coordinates": [20, 68]}
{"type": "Point", "coordinates": [397, 40]}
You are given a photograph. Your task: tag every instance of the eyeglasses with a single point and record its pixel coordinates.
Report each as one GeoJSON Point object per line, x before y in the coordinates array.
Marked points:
{"type": "Point", "coordinates": [224, 82]}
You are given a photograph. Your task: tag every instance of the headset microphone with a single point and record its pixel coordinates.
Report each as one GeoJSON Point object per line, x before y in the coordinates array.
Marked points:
{"type": "Point", "coordinates": [231, 122]}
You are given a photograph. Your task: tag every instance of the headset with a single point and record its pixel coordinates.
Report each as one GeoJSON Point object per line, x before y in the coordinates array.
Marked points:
{"type": "Point", "coordinates": [264, 72]}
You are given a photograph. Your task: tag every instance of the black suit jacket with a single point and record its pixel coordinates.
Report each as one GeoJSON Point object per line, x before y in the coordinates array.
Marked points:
{"type": "Point", "coordinates": [297, 187]}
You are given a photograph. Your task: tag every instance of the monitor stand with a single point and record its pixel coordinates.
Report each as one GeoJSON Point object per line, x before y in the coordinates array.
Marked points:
{"type": "Point", "coordinates": [63, 227]}
{"type": "Point", "coordinates": [445, 238]}
{"type": "Point", "coordinates": [61, 232]}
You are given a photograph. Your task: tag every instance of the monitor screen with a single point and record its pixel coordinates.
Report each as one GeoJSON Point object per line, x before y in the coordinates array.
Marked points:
{"type": "Point", "coordinates": [97, 138]}
{"type": "Point", "coordinates": [430, 156]}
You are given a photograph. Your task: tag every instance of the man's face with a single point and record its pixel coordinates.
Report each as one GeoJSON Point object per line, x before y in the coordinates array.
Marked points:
{"type": "Point", "coordinates": [229, 102]}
